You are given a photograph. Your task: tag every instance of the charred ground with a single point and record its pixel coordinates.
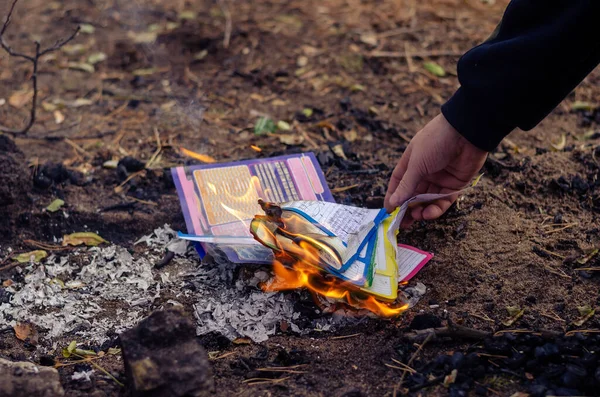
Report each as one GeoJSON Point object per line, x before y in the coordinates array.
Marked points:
{"type": "Point", "coordinates": [494, 250]}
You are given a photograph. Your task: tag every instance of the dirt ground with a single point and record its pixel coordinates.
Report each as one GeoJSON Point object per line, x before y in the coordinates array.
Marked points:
{"type": "Point", "coordinates": [197, 74]}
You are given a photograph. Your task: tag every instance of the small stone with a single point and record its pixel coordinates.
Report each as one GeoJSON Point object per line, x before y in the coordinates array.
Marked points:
{"type": "Point", "coordinates": [424, 321]}
{"type": "Point", "coordinates": [162, 357]}
{"type": "Point", "coordinates": [23, 379]}
{"type": "Point", "coordinates": [131, 164]}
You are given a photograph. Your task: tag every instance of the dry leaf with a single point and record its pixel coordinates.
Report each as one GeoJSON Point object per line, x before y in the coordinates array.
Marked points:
{"type": "Point", "coordinates": [579, 105]}
{"type": "Point", "coordinates": [302, 61]}
{"type": "Point", "coordinates": [58, 117]}
{"type": "Point", "coordinates": [67, 351]}
{"type": "Point", "coordinates": [283, 125]}
{"type": "Point", "coordinates": [257, 97]}
{"type": "Point", "coordinates": [434, 69]}
{"type": "Point", "coordinates": [449, 379]}
{"type": "Point", "coordinates": [55, 205]}
{"type": "Point", "coordinates": [308, 112]}
{"type": "Point", "coordinates": [145, 72]}
{"type": "Point", "coordinates": [79, 102]}
{"type": "Point", "coordinates": [291, 139]}
{"type": "Point", "coordinates": [326, 124]}
{"type": "Point", "coordinates": [585, 259]}
{"type": "Point", "coordinates": [20, 98]}
{"type": "Point", "coordinates": [515, 313]}
{"type": "Point", "coordinates": [142, 37]}
{"type": "Point", "coordinates": [85, 67]}
{"type": "Point", "coordinates": [168, 105]}
{"type": "Point", "coordinates": [200, 55]}
{"type": "Point", "coordinates": [87, 238]}
{"type": "Point", "coordinates": [26, 332]}
{"type": "Point", "coordinates": [205, 158]}
{"type": "Point", "coordinates": [357, 87]}
{"type": "Point", "coordinates": [33, 256]}
{"type": "Point", "coordinates": [561, 144]}
{"type": "Point", "coordinates": [278, 102]}
{"type": "Point", "coordinates": [87, 28]}
{"type": "Point", "coordinates": [351, 135]}
{"type": "Point", "coordinates": [111, 164]}
{"type": "Point", "coordinates": [338, 150]}
{"type": "Point", "coordinates": [369, 38]}
{"type": "Point", "coordinates": [187, 15]}
{"type": "Point", "coordinates": [587, 312]}
{"type": "Point", "coordinates": [7, 283]}
{"type": "Point", "coordinates": [96, 58]}
{"type": "Point", "coordinates": [242, 341]}
{"type": "Point", "coordinates": [73, 49]}
{"type": "Point", "coordinates": [48, 107]}
{"type": "Point", "coordinates": [373, 110]}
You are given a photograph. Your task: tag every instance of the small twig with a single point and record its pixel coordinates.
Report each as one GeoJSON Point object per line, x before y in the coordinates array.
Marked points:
{"type": "Point", "coordinates": [35, 61]}
{"type": "Point", "coordinates": [165, 260]}
{"type": "Point", "coordinates": [99, 368]}
{"type": "Point", "coordinates": [418, 54]}
{"type": "Point", "coordinates": [275, 369]}
{"type": "Point", "coordinates": [9, 266]}
{"type": "Point", "coordinates": [7, 258]}
{"type": "Point", "coordinates": [561, 229]}
{"type": "Point", "coordinates": [410, 361]}
{"type": "Point", "coordinates": [517, 331]}
{"type": "Point", "coordinates": [346, 336]}
{"type": "Point", "coordinates": [582, 331]}
{"type": "Point", "coordinates": [120, 188]}
{"type": "Point", "coordinates": [400, 363]}
{"type": "Point", "coordinates": [483, 317]}
{"type": "Point", "coordinates": [223, 356]}
{"type": "Point", "coordinates": [228, 23]}
{"type": "Point", "coordinates": [553, 316]}
{"type": "Point", "coordinates": [262, 381]}
{"type": "Point", "coordinates": [558, 272]}
{"type": "Point", "coordinates": [400, 368]}
{"type": "Point", "coordinates": [551, 253]}
{"type": "Point", "coordinates": [344, 188]}
{"type": "Point", "coordinates": [430, 383]}
{"type": "Point", "coordinates": [47, 247]}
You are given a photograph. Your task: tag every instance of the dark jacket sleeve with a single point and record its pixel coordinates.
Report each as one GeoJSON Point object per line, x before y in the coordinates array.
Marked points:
{"type": "Point", "coordinates": [541, 51]}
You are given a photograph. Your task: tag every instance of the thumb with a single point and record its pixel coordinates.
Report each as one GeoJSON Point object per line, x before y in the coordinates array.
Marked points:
{"type": "Point", "coordinates": [406, 188]}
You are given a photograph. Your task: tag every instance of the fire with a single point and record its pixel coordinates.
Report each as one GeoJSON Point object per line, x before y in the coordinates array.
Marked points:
{"type": "Point", "coordinates": [303, 256]}
{"type": "Point", "coordinates": [304, 253]}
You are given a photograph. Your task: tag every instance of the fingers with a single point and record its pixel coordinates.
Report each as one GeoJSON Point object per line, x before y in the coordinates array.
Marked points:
{"type": "Point", "coordinates": [397, 175]}
{"type": "Point", "coordinates": [438, 208]}
{"type": "Point", "coordinates": [406, 187]}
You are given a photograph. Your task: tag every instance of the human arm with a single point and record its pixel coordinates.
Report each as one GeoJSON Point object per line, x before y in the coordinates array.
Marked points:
{"type": "Point", "coordinates": [539, 53]}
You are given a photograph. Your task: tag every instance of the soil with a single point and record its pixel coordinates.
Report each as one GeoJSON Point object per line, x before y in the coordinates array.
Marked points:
{"type": "Point", "coordinates": [513, 241]}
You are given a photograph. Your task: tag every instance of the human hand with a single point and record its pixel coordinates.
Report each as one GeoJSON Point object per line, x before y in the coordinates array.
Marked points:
{"type": "Point", "coordinates": [437, 160]}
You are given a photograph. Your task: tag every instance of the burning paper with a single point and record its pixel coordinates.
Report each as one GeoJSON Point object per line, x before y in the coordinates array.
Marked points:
{"type": "Point", "coordinates": [356, 245]}
{"type": "Point", "coordinates": [337, 251]}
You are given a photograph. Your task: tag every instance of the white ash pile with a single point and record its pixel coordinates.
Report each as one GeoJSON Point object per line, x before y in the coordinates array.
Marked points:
{"type": "Point", "coordinates": [96, 293]}
{"type": "Point", "coordinates": [231, 303]}
{"type": "Point", "coordinates": [72, 293]}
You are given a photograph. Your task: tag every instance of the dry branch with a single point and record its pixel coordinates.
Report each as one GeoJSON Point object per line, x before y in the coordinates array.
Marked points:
{"type": "Point", "coordinates": [451, 331]}
{"type": "Point", "coordinates": [35, 61]}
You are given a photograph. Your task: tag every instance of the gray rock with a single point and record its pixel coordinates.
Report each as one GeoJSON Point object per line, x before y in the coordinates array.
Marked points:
{"type": "Point", "coordinates": [163, 357]}
{"type": "Point", "coordinates": [24, 379]}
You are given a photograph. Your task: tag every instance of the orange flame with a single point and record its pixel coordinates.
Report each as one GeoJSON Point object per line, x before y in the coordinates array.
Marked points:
{"type": "Point", "coordinates": [304, 274]}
